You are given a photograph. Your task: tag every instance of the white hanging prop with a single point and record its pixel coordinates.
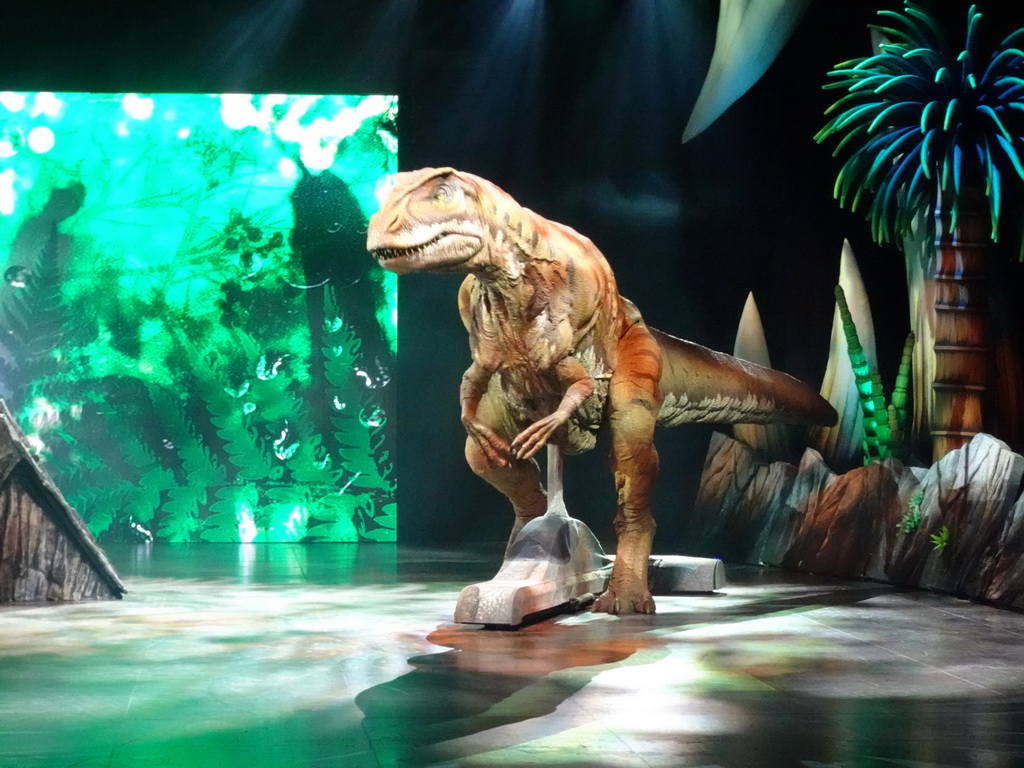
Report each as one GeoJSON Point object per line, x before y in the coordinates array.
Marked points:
{"type": "Point", "coordinates": [750, 35]}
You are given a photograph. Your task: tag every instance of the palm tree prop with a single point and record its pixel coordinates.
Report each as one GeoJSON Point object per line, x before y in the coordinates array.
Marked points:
{"type": "Point", "coordinates": [935, 131]}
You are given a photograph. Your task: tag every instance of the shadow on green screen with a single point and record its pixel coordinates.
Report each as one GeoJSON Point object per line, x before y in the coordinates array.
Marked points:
{"type": "Point", "coordinates": [191, 332]}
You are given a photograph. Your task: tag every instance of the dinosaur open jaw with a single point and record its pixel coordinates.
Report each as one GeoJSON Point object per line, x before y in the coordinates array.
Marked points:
{"type": "Point", "coordinates": [446, 251]}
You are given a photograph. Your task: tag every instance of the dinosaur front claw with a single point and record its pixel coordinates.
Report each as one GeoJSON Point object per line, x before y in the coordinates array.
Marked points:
{"type": "Point", "coordinates": [497, 452]}
{"type": "Point", "coordinates": [536, 436]}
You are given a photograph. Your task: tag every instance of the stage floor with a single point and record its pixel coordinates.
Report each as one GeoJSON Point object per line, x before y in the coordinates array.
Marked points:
{"type": "Point", "coordinates": [334, 655]}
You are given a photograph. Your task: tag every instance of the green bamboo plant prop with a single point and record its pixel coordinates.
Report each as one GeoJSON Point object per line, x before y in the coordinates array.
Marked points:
{"type": "Point", "coordinates": [884, 426]}
{"type": "Point", "coordinates": [898, 411]}
{"type": "Point", "coordinates": [919, 114]}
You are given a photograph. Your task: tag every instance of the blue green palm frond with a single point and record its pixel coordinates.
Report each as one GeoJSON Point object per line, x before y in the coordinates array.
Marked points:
{"type": "Point", "coordinates": [919, 117]}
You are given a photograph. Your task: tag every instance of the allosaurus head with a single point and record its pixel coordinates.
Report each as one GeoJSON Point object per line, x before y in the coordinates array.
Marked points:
{"type": "Point", "coordinates": [442, 220]}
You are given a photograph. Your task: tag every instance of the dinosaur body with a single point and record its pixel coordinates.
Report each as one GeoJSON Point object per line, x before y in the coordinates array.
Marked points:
{"type": "Point", "coordinates": [558, 354]}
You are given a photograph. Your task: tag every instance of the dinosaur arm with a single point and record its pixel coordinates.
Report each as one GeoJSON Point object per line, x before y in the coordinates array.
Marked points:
{"type": "Point", "coordinates": [578, 387]}
{"type": "Point", "coordinates": [474, 385]}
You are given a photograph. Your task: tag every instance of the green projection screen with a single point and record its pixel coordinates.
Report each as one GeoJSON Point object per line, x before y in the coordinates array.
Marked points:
{"type": "Point", "coordinates": [192, 335]}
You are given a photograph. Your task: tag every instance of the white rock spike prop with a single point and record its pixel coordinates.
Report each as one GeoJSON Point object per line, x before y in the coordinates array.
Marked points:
{"type": "Point", "coordinates": [840, 445]}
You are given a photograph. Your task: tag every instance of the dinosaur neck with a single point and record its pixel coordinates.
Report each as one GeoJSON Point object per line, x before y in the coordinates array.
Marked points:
{"type": "Point", "coordinates": [504, 283]}
{"type": "Point", "coordinates": [514, 241]}
{"type": "Point", "coordinates": [516, 283]}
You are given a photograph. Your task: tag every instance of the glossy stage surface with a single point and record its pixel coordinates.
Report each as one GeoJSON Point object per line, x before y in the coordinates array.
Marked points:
{"type": "Point", "coordinates": [337, 655]}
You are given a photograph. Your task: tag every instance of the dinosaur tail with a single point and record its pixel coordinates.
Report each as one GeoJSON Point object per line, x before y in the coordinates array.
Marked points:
{"type": "Point", "coordinates": [704, 386]}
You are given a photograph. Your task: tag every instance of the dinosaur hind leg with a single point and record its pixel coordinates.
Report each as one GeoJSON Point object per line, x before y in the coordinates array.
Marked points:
{"type": "Point", "coordinates": [634, 401]}
{"type": "Point", "coordinates": [519, 480]}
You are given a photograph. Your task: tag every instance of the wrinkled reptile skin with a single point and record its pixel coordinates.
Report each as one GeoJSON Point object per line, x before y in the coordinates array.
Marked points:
{"type": "Point", "coordinates": [558, 355]}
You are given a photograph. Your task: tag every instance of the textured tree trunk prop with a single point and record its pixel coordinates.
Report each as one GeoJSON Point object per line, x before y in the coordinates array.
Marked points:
{"type": "Point", "coordinates": [1007, 326]}
{"type": "Point", "coordinates": [46, 550]}
{"type": "Point", "coordinates": [962, 351]}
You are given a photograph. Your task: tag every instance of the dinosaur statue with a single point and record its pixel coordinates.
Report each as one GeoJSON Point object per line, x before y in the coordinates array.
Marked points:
{"type": "Point", "coordinates": [558, 354]}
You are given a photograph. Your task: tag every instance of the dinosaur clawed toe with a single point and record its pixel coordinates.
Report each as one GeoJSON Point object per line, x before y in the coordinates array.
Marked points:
{"type": "Point", "coordinates": [620, 599]}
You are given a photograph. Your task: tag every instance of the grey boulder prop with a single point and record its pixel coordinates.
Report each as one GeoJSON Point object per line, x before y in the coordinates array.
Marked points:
{"type": "Point", "coordinates": [557, 565]}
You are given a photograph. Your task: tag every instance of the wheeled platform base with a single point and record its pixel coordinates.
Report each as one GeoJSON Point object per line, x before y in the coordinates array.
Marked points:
{"type": "Point", "coordinates": [557, 565]}
{"type": "Point", "coordinates": [555, 561]}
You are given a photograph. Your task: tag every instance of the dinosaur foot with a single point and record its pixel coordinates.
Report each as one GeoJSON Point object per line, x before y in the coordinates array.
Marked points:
{"type": "Point", "coordinates": [625, 597]}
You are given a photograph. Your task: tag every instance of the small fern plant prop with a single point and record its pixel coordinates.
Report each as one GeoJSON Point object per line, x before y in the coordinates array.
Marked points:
{"type": "Point", "coordinates": [911, 520]}
{"type": "Point", "coordinates": [941, 539]}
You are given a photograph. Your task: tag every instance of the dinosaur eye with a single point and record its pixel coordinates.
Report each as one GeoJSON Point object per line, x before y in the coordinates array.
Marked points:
{"type": "Point", "coordinates": [444, 193]}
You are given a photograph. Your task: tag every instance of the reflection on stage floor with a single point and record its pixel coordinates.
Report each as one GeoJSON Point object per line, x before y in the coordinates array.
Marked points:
{"type": "Point", "coordinates": [340, 655]}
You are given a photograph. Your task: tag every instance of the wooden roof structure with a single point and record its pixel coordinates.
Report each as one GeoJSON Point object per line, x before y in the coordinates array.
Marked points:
{"type": "Point", "coordinates": [46, 550]}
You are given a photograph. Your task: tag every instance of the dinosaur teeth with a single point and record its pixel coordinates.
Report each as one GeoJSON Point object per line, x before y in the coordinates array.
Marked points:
{"type": "Point", "coordinates": [386, 254]}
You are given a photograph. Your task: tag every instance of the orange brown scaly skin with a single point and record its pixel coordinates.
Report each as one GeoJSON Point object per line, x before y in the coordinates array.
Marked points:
{"type": "Point", "coordinates": [558, 354]}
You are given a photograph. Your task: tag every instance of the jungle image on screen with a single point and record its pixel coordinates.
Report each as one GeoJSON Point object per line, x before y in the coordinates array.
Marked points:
{"type": "Point", "coordinates": [192, 335]}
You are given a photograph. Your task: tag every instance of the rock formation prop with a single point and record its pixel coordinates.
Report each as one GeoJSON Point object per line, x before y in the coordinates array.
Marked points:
{"type": "Point", "coordinates": [46, 550]}
{"type": "Point", "coordinates": [956, 527]}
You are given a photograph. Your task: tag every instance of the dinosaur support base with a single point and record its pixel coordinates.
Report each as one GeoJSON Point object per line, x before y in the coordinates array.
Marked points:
{"type": "Point", "coordinates": [556, 565]}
